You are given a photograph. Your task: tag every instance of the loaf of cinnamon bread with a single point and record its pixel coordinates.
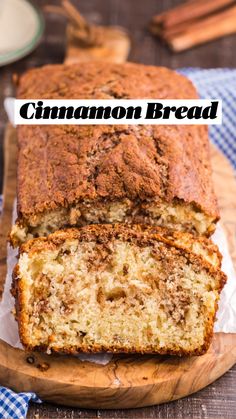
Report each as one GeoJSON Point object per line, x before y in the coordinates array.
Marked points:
{"type": "Point", "coordinates": [79, 175]}
{"type": "Point", "coordinates": [118, 288]}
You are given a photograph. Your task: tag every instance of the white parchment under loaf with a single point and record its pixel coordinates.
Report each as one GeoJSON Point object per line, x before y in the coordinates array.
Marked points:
{"type": "Point", "coordinates": [226, 316]}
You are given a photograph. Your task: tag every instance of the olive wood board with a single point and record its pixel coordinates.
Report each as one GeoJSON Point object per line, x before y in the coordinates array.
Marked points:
{"type": "Point", "coordinates": [127, 380]}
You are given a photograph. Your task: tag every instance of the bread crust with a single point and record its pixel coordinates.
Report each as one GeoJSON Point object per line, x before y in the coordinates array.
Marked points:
{"type": "Point", "coordinates": [60, 166]}
{"type": "Point", "coordinates": [104, 234]}
{"type": "Point", "coordinates": [132, 232]}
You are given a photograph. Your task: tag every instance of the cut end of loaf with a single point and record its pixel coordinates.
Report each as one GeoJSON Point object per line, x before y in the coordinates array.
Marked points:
{"type": "Point", "coordinates": [177, 215]}
{"type": "Point", "coordinates": [117, 289]}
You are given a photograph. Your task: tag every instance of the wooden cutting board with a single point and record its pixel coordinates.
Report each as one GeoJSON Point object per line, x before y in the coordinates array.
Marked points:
{"type": "Point", "coordinates": [126, 381]}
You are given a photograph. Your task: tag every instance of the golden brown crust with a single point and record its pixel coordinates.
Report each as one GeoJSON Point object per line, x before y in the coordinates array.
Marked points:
{"type": "Point", "coordinates": [104, 234]}
{"type": "Point", "coordinates": [62, 165]}
{"type": "Point", "coordinates": [133, 232]}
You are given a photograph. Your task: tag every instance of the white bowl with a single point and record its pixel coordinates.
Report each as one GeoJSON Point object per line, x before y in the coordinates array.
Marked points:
{"type": "Point", "coordinates": [21, 28]}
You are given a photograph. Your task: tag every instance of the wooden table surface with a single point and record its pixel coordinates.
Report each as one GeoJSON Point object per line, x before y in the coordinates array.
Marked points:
{"type": "Point", "coordinates": [219, 399]}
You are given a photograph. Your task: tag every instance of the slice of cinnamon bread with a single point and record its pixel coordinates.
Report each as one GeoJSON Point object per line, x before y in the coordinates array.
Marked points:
{"type": "Point", "coordinates": [118, 289]}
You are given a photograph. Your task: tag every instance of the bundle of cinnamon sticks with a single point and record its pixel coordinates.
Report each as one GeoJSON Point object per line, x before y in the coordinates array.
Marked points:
{"type": "Point", "coordinates": [195, 22]}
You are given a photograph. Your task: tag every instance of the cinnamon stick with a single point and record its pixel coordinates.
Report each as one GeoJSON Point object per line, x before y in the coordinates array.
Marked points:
{"type": "Point", "coordinates": [186, 12]}
{"type": "Point", "coordinates": [90, 42]}
{"type": "Point", "coordinates": [199, 32]}
{"type": "Point", "coordinates": [52, 8]}
{"type": "Point", "coordinates": [74, 14]}
{"type": "Point", "coordinates": [84, 32]}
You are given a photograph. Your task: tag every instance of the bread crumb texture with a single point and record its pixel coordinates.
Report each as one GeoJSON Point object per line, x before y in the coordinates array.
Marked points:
{"type": "Point", "coordinates": [118, 289]}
